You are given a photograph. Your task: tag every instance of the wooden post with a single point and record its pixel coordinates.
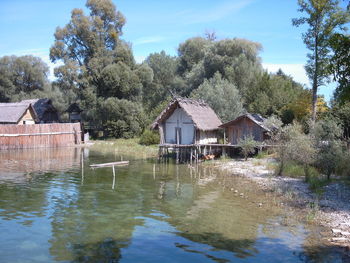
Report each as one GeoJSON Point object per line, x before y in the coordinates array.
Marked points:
{"type": "Point", "coordinates": [191, 156]}
{"type": "Point", "coordinates": [113, 185]}
{"type": "Point", "coordinates": [82, 166]}
{"type": "Point", "coordinates": [154, 171]}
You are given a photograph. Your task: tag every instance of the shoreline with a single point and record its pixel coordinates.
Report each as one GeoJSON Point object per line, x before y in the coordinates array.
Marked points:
{"type": "Point", "coordinates": [331, 209]}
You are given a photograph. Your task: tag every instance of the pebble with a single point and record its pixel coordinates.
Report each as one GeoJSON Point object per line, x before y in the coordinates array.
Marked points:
{"type": "Point", "coordinates": [260, 204]}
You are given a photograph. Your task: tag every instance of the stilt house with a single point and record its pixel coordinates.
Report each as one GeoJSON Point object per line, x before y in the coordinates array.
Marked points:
{"type": "Point", "coordinates": [17, 113]}
{"type": "Point", "coordinates": [245, 125]}
{"type": "Point", "coordinates": [187, 121]}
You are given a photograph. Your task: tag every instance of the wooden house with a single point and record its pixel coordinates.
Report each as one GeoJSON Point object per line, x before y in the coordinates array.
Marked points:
{"type": "Point", "coordinates": [74, 112]}
{"type": "Point", "coordinates": [44, 109]}
{"type": "Point", "coordinates": [17, 113]}
{"type": "Point", "coordinates": [186, 121]}
{"type": "Point", "coordinates": [245, 125]}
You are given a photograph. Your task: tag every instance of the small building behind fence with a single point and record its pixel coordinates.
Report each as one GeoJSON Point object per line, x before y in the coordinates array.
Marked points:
{"type": "Point", "coordinates": [186, 121]}
{"type": "Point", "coordinates": [74, 112]}
{"type": "Point", "coordinates": [245, 125]}
{"type": "Point", "coordinates": [17, 113]}
{"type": "Point", "coordinates": [46, 112]}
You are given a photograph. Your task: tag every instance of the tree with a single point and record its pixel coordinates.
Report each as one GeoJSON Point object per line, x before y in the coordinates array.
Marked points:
{"type": "Point", "coordinates": [340, 66]}
{"type": "Point", "coordinates": [21, 76]}
{"type": "Point", "coordinates": [164, 74]}
{"type": "Point", "coordinates": [26, 77]}
{"type": "Point", "coordinates": [222, 96]}
{"type": "Point", "coordinates": [323, 18]}
{"type": "Point", "coordinates": [98, 64]}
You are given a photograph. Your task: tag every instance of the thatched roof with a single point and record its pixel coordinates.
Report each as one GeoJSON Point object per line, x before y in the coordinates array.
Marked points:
{"type": "Point", "coordinates": [41, 106]}
{"type": "Point", "coordinates": [256, 118]}
{"type": "Point", "coordinates": [203, 117]}
{"type": "Point", "coordinates": [13, 112]}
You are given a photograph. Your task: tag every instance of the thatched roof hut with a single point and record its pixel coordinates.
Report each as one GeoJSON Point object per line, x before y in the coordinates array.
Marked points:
{"type": "Point", "coordinates": [245, 125]}
{"type": "Point", "coordinates": [187, 121]}
{"type": "Point", "coordinates": [46, 112]}
{"type": "Point", "coordinates": [17, 113]}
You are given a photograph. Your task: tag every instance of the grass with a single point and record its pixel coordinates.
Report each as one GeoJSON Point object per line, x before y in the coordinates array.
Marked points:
{"type": "Point", "coordinates": [126, 147]}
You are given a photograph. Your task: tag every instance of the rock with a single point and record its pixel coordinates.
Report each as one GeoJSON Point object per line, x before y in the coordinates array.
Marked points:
{"type": "Point", "coordinates": [241, 194]}
{"type": "Point", "coordinates": [336, 231]}
{"type": "Point", "coordinates": [345, 233]}
{"type": "Point", "coordinates": [260, 204]}
{"type": "Point", "coordinates": [339, 239]}
{"type": "Point", "coordinates": [231, 189]}
{"type": "Point", "coordinates": [236, 191]}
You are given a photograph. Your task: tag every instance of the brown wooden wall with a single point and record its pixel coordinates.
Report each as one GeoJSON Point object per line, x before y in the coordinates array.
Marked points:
{"type": "Point", "coordinates": [39, 135]}
{"type": "Point", "coordinates": [245, 127]}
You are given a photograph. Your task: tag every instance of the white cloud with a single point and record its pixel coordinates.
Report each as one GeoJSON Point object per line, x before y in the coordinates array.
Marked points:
{"type": "Point", "coordinates": [297, 71]}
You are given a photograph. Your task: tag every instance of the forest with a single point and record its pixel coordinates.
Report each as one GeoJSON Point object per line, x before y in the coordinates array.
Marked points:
{"type": "Point", "coordinates": [96, 68]}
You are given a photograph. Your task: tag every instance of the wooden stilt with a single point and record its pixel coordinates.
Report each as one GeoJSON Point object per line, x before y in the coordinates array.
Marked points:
{"type": "Point", "coordinates": [113, 185]}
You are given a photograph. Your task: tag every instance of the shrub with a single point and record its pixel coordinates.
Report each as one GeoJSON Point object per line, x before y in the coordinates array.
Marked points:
{"type": "Point", "coordinates": [149, 137]}
{"type": "Point", "coordinates": [248, 145]}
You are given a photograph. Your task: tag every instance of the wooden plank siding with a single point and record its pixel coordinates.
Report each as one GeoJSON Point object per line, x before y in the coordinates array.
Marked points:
{"type": "Point", "coordinates": [243, 128]}
{"type": "Point", "coordinates": [39, 135]}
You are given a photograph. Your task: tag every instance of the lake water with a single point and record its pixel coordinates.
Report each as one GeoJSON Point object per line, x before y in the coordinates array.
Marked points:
{"type": "Point", "coordinates": [52, 210]}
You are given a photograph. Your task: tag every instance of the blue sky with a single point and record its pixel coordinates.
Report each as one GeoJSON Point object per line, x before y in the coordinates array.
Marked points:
{"type": "Point", "coordinates": [27, 27]}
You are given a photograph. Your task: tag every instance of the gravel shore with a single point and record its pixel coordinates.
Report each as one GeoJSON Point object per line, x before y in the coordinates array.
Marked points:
{"type": "Point", "coordinates": [332, 207]}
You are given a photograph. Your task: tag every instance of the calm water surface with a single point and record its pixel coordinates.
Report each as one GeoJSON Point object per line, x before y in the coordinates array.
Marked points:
{"type": "Point", "coordinates": [52, 210]}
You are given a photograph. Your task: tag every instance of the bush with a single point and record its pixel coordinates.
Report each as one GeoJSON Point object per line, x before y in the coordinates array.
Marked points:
{"type": "Point", "coordinates": [248, 145]}
{"type": "Point", "coordinates": [149, 137]}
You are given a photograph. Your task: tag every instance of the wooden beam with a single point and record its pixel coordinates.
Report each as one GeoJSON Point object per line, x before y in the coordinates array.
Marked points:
{"type": "Point", "coordinates": [109, 164]}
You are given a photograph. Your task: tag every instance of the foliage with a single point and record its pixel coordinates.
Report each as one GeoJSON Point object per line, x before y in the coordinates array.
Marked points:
{"type": "Point", "coordinates": [247, 145]}
{"type": "Point", "coordinates": [292, 144]}
{"type": "Point", "coordinates": [121, 118]}
{"type": "Point", "coordinates": [340, 66]}
{"type": "Point", "coordinates": [323, 18]}
{"type": "Point", "coordinates": [98, 65]}
{"type": "Point", "coordinates": [163, 84]}
{"type": "Point", "coordinates": [222, 96]}
{"type": "Point", "coordinates": [342, 113]}
{"type": "Point", "coordinates": [327, 134]}
{"type": "Point", "coordinates": [149, 137]}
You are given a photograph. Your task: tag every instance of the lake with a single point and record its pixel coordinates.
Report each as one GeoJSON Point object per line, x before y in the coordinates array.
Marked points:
{"type": "Point", "coordinates": [54, 208]}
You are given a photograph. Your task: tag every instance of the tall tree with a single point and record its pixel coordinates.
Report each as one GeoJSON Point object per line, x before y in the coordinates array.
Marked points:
{"type": "Point", "coordinates": [98, 64]}
{"type": "Point", "coordinates": [222, 96]}
{"type": "Point", "coordinates": [323, 18]}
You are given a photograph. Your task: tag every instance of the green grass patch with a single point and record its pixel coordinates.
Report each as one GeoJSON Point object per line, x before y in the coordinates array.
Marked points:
{"type": "Point", "coordinates": [126, 147]}
{"type": "Point", "coordinates": [262, 155]}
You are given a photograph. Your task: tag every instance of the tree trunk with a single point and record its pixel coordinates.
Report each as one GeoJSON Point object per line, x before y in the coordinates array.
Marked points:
{"type": "Point", "coordinates": [315, 83]}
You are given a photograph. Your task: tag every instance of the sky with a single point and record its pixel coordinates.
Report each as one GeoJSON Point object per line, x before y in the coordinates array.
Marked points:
{"type": "Point", "coordinates": [27, 28]}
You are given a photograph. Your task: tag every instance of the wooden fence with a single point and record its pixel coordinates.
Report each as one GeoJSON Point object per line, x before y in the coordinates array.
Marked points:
{"type": "Point", "coordinates": [39, 135]}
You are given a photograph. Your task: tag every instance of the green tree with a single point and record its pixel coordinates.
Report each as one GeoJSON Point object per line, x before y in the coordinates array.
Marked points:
{"type": "Point", "coordinates": [120, 118]}
{"type": "Point", "coordinates": [323, 18]}
{"type": "Point", "coordinates": [98, 64]}
{"type": "Point", "coordinates": [340, 66]}
{"type": "Point", "coordinates": [164, 70]}
{"type": "Point", "coordinates": [222, 96]}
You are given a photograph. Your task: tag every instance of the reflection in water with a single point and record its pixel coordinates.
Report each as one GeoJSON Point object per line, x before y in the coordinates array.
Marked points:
{"type": "Point", "coordinates": [155, 213]}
